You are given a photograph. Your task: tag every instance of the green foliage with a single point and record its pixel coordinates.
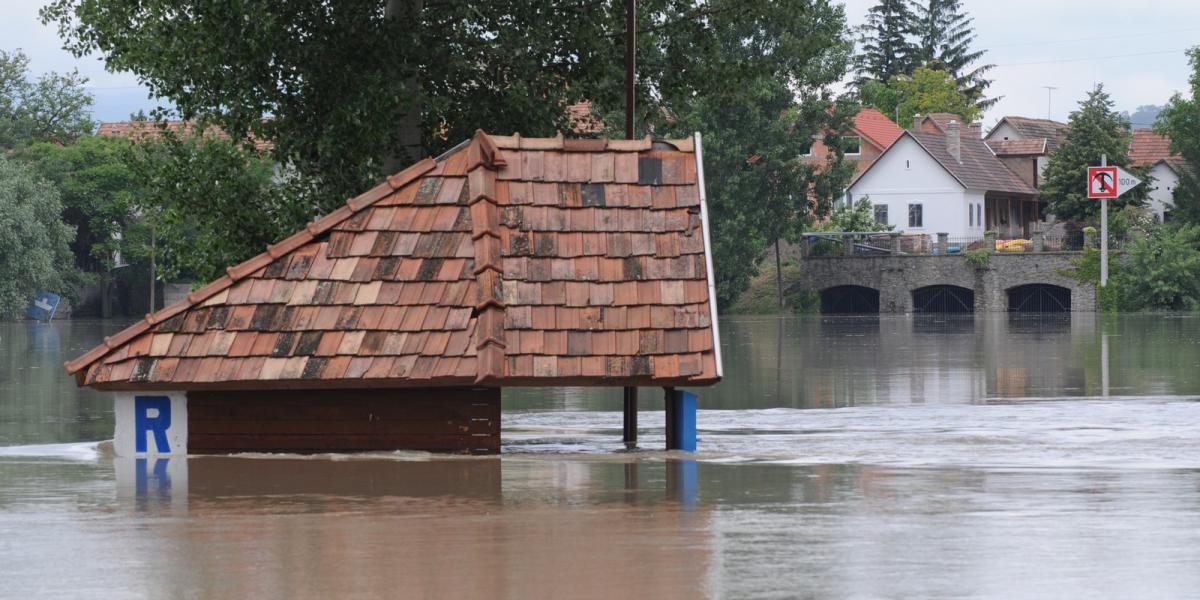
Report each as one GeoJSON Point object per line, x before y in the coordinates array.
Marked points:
{"type": "Point", "coordinates": [54, 108]}
{"type": "Point", "coordinates": [944, 37]}
{"type": "Point", "coordinates": [1162, 271]}
{"type": "Point", "coordinates": [1093, 130]}
{"type": "Point", "coordinates": [98, 190]}
{"type": "Point", "coordinates": [34, 251]}
{"type": "Point", "coordinates": [885, 47]}
{"type": "Point", "coordinates": [926, 90]}
{"type": "Point", "coordinates": [1179, 120]}
{"type": "Point", "coordinates": [759, 187]}
{"type": "Point", "coordinates": [357, 88]}
{"type": "Point", "coordinates": [859, 217]}
{"type": "Point", "coordinates": [211, 202]}
{"type": "Point", "coordinates": [979, 258]}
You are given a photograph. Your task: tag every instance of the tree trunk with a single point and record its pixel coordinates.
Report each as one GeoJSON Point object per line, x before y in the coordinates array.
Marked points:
{"type": "Point", "coordinates": [408, 114]}
{"type": "Point", "coordinates": [105, 296]}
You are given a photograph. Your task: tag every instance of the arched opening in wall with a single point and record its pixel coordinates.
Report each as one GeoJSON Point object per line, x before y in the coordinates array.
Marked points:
{"type": "Point", "coordinates": [941, 299]}
{"type": "Point", "coordinates": [1039, 298]}
{"type": "Point", "coordinates": [849, 300]}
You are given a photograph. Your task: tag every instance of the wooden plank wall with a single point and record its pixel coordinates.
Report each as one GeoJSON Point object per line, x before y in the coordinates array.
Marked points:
{"type": "Point", "coordinates": [457, 420]}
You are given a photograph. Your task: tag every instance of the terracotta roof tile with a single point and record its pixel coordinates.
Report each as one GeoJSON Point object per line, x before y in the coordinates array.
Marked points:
{"type": "Point", "coordinates": [518, 260]}
{"type": "Point", "coordinates": [1147, 147]}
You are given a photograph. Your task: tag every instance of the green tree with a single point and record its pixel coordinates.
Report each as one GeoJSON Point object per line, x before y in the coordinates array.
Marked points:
{"type": "Point", "coordinates": [353, 88]}
{"type": "Point", "coordinates": [1179, 121]}
{"type": "Point", "coordinates": [54, 108]}
{"type": "Point", "coordinates": [360, 87]}
{"type": "Point", "coordinates": [760, 190]}
{"type": "Point", "coordinates": [99, 194]}
{"type": "Point", "coordinates": [944, 37]}
{"type": "Point", "coordinates": [210, 202]}
{"type": "Point", "coordinates": [1162, 271]}
{"type": "Point", "coordinates": [34, 242]}
{"type": "Point", "coordinates": [1094, 129]}
{"type": "Point", "coordinates": [885, 49]}
{"type": "Point", "coordinates": [926, 90]}
{"type": "Point", "coordinates": [859, 216]}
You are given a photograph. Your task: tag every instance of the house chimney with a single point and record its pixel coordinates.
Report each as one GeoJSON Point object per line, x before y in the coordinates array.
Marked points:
{"type": "Point", "coordinates": [953, 141]}
{"type": "Point", "coordinates": [916, 124]}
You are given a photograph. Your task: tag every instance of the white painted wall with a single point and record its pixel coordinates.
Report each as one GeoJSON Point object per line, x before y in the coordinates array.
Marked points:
{"type": "Point", "coordinates": [905, 175]}
{"type": "Point", "coordinates": [1162, 191]}
{"type": "Point", "coordinates": [1004, 131]}
{"type": "Point", "coordinates": [132, 410]}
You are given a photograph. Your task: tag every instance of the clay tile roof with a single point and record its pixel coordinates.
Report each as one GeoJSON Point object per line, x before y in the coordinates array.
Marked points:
{"type": "Point", "coordinates": [1037, 129]}
{"type": "Point", "coordinates": [1032, 147]}
{"type": "Point", "coordinates": [1147, 147]}
{"type": "Point", "coordinates": [507, 261]}
{"type": "Point", "coordinates": [876, 127]}
{"type": "Point", "coordinates": [139, 130]}
{"type": "Point", "coordinates": [979, 169]}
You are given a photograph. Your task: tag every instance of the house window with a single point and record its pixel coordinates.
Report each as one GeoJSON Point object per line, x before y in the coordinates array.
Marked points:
{"type": "Point", "coordinates": [881, 217]}
{"type": "Point", "coordinates": [852, 144]}
{"type": "Point", "coordinates": [979, 215]}
{"type": "Point", "coordinates": [970, 215]}
{"type": "Point", "coordinates": [915, 217]}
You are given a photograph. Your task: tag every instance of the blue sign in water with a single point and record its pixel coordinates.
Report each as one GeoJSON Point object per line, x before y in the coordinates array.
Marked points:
{"type": "Point", "coordinates": [43, 306]}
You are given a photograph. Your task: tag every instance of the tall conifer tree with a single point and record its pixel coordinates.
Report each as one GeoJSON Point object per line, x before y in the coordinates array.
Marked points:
{"type": "Point", "coordinates": [944, 36]}
{"type": "Point", "coordinates": [885, 49]}
{"type": "Point", "coordinates": [1093, 130]}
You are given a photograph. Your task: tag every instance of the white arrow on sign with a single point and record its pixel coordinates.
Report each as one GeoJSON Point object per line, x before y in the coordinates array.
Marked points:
{"type": "Point", "coordinates": [1125, 181]}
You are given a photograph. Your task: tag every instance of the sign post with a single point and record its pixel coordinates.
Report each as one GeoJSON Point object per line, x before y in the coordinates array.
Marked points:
{"type": "Point", "coordinates": [1106, 182]}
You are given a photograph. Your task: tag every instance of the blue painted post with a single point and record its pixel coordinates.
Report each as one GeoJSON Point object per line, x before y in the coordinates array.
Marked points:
{"type": "Point", "coordinates": [681, 420]}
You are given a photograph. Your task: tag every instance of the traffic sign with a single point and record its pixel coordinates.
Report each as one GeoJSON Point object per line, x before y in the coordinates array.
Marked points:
{"type": "Point", "coordinates": [1110, 182]}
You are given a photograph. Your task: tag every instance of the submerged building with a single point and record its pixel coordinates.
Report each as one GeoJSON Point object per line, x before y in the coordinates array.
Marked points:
{"type": "Point", "coordinates": [395, 321]}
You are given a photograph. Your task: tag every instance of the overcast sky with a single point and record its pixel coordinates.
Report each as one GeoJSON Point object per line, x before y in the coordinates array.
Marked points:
{"type": "Point", "coordinates": [1089, 41]}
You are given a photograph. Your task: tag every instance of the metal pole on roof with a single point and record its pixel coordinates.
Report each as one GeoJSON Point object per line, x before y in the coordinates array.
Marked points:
{"type": "Point", "coordinates": [630, 397]}
{"type": "Point", "coordinates": [630, 63]}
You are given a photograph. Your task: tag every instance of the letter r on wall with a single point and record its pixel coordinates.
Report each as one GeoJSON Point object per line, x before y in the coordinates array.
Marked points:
{"type": "Point", "coordinates": [157, 424]}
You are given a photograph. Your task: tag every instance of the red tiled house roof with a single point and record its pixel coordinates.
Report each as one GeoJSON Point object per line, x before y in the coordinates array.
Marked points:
{"type": "Point", "coordinates": [1147, 147]}
{"type": "Point", "coordinates": [139, 130]}
{"type": "Point", "coordinates": [876, 127]}
{"type": "Point", "coordinates": [507, 261]}
{"type": "Point", "coordinates": [1033, 147]}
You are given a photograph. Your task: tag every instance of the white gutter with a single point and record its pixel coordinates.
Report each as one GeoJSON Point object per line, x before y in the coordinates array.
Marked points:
{"type": "Point", "coordinates": [708, 261]}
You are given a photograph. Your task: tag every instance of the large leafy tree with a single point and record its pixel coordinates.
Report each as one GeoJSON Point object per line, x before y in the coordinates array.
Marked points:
{"type": "Point", "coordinates": [354, 88]}
{"type": "Point", "coordinates": [760, 190]}
{"type": "Point", "coordinates": [925, 91]}
{"type": "Point", "coordinates": [1179, 120]}
{"type": "Point", "coordinates": [885, 46]}
{"type": "Point", "coordinates": [944, 37]}
{"type": "Point", "coordinates": [34, 251]}
{"type": "Point", "coordinates": [209, 203]}
{"type": "Point", "coordinates": [1093, 130]}
{"type": "Point", "coordinates": [99, 194]}
{"type": "Point", "coordinates": [53, 108]}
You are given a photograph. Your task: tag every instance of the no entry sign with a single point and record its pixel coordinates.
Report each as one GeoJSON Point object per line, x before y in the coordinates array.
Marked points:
{"type": "Point", "coordinates": [1110, 182]}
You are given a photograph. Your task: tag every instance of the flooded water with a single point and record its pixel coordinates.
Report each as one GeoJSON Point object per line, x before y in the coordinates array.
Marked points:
{"type": "Point", "coordinates": [841, 458]}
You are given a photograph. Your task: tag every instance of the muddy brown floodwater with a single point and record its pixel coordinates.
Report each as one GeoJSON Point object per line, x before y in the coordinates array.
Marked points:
{"type": "Point", "coordinates": [899, 457]}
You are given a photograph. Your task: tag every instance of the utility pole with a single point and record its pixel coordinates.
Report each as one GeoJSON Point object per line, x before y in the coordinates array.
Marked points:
{"type": "Point", "coordinates": [629, 398]}
{"type": "Point", "coordinates": [630, 63]}
{"type": "Point", "coordinates": [1049, 92]}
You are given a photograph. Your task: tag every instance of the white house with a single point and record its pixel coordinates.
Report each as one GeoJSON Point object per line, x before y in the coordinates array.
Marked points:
{"type": "Point", "coordinates": [1023, 136]}
{"type": "Point", "coordinates": [947, 183]}
{"type": "Point", "coordinates": [1149, 149]}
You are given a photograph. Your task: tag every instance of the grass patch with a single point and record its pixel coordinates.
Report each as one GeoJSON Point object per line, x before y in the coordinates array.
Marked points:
{"type": "Point", "coordinates": [762, 297]}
